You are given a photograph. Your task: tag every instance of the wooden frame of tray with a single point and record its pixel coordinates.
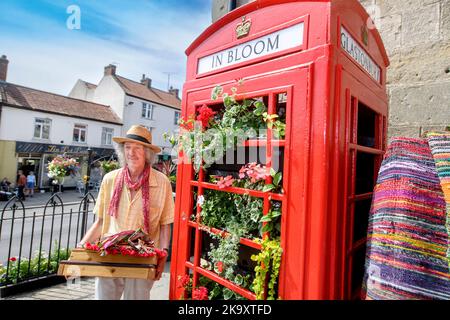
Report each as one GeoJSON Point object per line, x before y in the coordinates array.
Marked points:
{"type": "Point", "coordinates": [87, 263]}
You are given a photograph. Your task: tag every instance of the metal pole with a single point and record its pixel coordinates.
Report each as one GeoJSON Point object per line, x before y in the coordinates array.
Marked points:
{"type": "Point", "coordinates": [233, 5]}
{"type": "Point", "coordinates": [86, 190]}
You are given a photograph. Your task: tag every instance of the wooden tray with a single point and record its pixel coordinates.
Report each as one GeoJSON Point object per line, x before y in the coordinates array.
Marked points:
{"type": "Point", "coordinates": [87, 263]}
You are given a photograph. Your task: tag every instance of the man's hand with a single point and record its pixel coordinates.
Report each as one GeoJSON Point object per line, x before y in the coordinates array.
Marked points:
{"type": "Point", "coordinates": [160, 267]}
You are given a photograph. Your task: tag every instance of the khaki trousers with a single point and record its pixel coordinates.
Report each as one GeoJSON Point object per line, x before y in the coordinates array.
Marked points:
{"type": "Point", "coordinates": [127, 289]}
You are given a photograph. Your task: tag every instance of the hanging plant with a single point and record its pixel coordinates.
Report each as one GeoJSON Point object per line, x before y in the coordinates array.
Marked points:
{"type": "Point", "coordinates": [109, 165]}
{"type": "Point", "coordinates": [268, 261]}
{"type": "Point", "coordinates": [205, 136]}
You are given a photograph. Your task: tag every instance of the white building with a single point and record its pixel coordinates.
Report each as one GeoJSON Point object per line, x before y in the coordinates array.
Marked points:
{"type": "Point", "coordinates": [135, 103]}
{"type": "Point", "coordinates": [37, 125]}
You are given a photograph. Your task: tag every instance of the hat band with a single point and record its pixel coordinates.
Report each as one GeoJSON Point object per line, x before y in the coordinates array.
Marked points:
{"type": "Point", "coordinates": [138, 138]}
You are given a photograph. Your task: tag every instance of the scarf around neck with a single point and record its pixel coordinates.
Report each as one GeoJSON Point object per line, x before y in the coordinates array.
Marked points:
{"type": "Point", "coordinates": [143, 183]}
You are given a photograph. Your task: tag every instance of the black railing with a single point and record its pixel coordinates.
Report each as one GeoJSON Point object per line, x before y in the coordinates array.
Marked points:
{"type": "Point", "coordinates": [50, 231]}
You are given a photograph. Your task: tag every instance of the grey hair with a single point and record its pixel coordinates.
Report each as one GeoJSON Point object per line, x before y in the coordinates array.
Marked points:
{"type": "Point", "coordinates": [150, 155]}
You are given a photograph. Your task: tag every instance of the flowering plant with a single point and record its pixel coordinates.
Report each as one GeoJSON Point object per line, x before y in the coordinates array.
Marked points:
{"type": "Point", "coordinates": [225, 182]}
{"type": "Point", "coordinates": [62, 166]}
{"type": "Point", "coordinates": [198, 293]}
{"type": "Point", "coordinates": [109, 165]}
{"type": "Point", "coordinates": [127, 243]}
{"type": "Point", "coordinates": [254, 171]}
{"type": "Point", "coordinates": [252, 176]}
{"type": "Point", "coordinates": [205, 116]}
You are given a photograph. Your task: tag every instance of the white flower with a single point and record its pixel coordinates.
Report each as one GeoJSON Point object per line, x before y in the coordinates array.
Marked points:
{"type": "Point", "coordinates": [200, 200]}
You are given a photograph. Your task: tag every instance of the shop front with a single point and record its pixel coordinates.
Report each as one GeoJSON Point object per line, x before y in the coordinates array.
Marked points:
{"type": "Point", "coordinates": [36, 156]}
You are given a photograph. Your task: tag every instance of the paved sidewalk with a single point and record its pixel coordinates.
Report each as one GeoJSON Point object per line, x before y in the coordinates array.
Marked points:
{"type": "Point", "coordinates": [83, 289]}
{"type": "Point", "coordinates": [40, 199]}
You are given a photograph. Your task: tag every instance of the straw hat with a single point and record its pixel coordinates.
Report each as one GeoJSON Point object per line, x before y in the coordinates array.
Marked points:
{"type": "Point", "coordinates": [138, 134]}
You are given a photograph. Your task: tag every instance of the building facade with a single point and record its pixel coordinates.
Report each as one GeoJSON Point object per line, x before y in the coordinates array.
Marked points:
{"type": "Point", "coordinates": [135, 103]}
{"type": "Point", "coordinates": [416, 35]}
{"type": "Point", "coordinates": [35, 126]}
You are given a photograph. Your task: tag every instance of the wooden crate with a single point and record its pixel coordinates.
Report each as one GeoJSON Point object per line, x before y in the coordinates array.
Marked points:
{"type": "Point", "coordinates": [86, 263]}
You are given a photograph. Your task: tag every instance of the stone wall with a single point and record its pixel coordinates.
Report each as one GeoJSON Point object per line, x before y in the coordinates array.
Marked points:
{"type": "Point", "coordinates": [416, 34]}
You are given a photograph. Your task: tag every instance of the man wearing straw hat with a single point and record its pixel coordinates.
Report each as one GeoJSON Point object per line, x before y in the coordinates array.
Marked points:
{"type": "Point", "coordinates": [135, 196]}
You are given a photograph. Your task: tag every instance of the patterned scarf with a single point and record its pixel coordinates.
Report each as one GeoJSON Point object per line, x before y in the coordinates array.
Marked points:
{"type": "Point", "coordinates": [124, 176]}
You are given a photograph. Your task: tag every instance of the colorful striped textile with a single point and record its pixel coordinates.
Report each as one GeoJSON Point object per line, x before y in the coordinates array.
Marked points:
{"type": "Point", "coordinates": [440, 149]}
{"type": "Point", "coordinates": [407, 236]}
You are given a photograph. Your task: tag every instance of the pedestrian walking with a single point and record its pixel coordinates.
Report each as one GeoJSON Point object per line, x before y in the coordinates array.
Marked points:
{"type": "Point", "coordinates": [31, 183]}
{"type": "Point", "coordinates": [21, 184]}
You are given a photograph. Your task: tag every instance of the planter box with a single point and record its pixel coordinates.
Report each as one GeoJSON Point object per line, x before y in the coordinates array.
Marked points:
{"type": "Point", "coordinates": [86, 263]}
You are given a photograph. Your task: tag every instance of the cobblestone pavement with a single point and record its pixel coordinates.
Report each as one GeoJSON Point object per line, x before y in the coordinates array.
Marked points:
{"type": "Point", "coordinates": [83, 289]}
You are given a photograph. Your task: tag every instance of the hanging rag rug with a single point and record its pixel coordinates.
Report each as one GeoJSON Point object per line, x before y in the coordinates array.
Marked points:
{"type": "Point", "coordinates": [440, 148]}
{"type": "Point", "coordinates": [407, 237]}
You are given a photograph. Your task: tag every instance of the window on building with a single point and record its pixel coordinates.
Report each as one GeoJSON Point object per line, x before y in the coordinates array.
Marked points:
{"type": "Point", "coordinates": [147, 110]}
{"type": "Point", "coordinates": [79, 133]}
{"type": "Point", "coordinates": [177, 117]}
{"type": "Point", "coordinates": [107, 134]}
{"type": "Point", "coordinates": [42, 128]}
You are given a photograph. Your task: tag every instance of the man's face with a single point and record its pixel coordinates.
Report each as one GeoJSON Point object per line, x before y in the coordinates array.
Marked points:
{"type": "Point", "coordinates": [134, 154]}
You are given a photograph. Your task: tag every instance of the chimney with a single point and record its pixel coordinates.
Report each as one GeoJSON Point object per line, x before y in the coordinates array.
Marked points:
{"type": "Point", "coordinates": [146, 81]}
{"type": "Point", "coordinates": [3, 68]}
{"type": "Point", "coordinates": [110, 70]}
{"type": "Point", "coordinates": [173, 91]}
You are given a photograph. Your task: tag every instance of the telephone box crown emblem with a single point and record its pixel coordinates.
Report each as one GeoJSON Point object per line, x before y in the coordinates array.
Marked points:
{"type": "Point", "coordinates": [243, 28]}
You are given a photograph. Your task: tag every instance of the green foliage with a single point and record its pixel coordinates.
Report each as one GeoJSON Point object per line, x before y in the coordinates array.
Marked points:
{"type": "Point", "coordinates": [272, 220]}
{"type": "Point", "coordinates": [218, 292]}
{"type": "Point", "coordinates": [237, 121]}
{"type": "Point", "coordinates": [37, 266]}
{"type": "Point", "coordinates": [109, 165]}
{"type": "Point", "coordinates": [227, 253]}
{"type": "Point", "coordinates": [269, 261]}
{"type": "Point", "coordinates": [229, 211]}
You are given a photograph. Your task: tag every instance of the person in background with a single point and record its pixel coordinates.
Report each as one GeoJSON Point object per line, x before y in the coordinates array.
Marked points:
{"type": "Point", "coordinates": [31, 183]}
{"type": "Point", "coordinates": [21, 184]}
{"type": "Point", "coordinates": [5, 184]}
{"type": "Point", "coordinates": [134, 196]}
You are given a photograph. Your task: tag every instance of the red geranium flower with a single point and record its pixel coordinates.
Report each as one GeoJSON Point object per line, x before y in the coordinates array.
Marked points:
{"type": "Point", "coordinates": [219, 266]}
{"type": "Point", "coordinates": [205, 115]}
{"type": "Point", "coordinates": [184, 281]}
{"type": "Point", "coordinates": [12, 259]}
{"type": "Point", "coordinates": [200, 293]}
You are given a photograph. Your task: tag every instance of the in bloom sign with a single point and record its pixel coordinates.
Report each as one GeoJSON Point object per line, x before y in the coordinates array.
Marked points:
{"type": "Point", "coordinates": [275, 42]}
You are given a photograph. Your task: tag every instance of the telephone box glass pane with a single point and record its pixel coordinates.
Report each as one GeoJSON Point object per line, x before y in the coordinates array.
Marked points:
{"type": "Point", "coordinates": [366, 126]}
{"type": "Point", "coordinates": [365, 168]}
{"type": "Point", "coordinates": [358, 261]}
{"type": "Point", "coordinates": [361, 219]}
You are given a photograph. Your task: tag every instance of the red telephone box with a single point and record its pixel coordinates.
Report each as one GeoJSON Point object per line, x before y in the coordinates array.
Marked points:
{"type": "Point", "coordinates": [323, 63]}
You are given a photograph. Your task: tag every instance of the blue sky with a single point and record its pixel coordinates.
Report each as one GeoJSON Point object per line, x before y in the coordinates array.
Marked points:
{"type": "Point", "coordinates": [139, 36]}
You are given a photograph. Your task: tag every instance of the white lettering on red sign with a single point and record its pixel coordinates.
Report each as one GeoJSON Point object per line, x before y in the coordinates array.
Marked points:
{"type": "Point", "coordinates": [359, 55]}
{"type": "Point", "coordinates": [275, 42]}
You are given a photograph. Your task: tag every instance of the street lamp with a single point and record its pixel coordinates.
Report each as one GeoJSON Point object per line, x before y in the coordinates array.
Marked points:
{"type": "Point", "coordinates": [86, 190]}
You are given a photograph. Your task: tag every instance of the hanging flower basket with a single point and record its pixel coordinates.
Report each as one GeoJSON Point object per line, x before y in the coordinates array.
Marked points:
{"type": "Point", "coordinates": [62, 166]}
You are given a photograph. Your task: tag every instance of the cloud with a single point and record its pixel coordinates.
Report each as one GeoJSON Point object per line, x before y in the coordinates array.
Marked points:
{"type": "Point", "coordinates": [146, 37]}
